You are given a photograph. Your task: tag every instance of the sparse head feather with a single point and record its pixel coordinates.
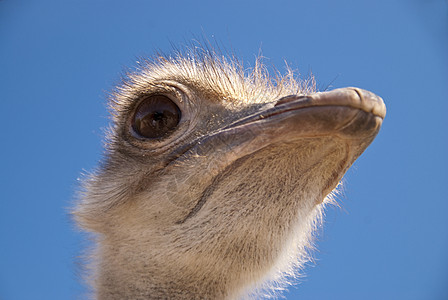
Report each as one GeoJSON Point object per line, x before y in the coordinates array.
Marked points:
{"type": "Point", "coordinates": [221, 77]}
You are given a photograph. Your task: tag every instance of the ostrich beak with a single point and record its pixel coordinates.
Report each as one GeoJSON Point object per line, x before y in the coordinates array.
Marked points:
{"type": "Point", "coordinates": [351, 114]}
{"type": "Point", "coordinates": [347, 113]}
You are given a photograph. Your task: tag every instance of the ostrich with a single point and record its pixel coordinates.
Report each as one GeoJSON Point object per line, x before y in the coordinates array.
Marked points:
{"type": "Point", "coordinates": [214, 177]}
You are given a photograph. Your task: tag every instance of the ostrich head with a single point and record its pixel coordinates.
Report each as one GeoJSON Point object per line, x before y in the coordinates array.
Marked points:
{"type": "Point", "coordinates": [214, 177]}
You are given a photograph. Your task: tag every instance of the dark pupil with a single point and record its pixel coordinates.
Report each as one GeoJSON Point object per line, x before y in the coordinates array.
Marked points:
{"type": "Point", "coordinates": [156, 117]}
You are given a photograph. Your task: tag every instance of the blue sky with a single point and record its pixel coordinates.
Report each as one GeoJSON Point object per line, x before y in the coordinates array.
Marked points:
{"type": "Point", "coordinates": [388, 239]}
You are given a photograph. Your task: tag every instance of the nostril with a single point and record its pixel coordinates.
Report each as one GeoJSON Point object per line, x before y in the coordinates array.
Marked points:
{"type": "Point", "coordinates": [290, 98]}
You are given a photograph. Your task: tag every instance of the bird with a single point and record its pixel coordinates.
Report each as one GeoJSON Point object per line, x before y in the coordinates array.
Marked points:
{"type": "Point", "coordinates": [215, 176]}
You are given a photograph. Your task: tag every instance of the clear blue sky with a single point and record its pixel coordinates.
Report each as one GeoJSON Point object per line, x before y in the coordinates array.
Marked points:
{"type": "Point", "coordinates": [388, 239]}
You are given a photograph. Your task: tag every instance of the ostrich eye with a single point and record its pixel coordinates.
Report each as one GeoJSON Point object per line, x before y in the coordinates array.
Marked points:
{"type": "Point", "coordinates": [156, 117]}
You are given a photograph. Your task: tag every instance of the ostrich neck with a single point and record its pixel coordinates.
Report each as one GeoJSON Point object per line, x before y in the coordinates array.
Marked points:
{"type": "Point", "coordinates": [124, 277]}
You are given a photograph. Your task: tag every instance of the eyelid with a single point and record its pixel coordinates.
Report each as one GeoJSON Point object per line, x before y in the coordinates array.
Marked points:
{"type": "Point", "coordinates": [181, 96]}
